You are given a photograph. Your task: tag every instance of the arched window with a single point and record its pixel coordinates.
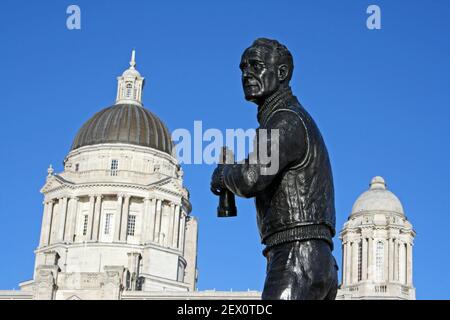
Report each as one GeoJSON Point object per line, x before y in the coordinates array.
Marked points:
{"type": "Point", "coordinates": [379, 261]}
{"type": "Point", "coordinates": [129, 87]}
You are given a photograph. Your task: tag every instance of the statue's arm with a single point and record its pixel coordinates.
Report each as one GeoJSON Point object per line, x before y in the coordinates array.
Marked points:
{"type": "Point", "coordinates": [249, 178]}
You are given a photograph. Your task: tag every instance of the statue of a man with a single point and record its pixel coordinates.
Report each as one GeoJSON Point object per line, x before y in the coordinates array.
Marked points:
{"type": "Point", "coordinates": [295, 205]}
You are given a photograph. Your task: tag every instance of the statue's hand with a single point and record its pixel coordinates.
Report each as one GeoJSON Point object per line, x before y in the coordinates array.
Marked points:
{"type": "Point", "coordinates": [217, 183]}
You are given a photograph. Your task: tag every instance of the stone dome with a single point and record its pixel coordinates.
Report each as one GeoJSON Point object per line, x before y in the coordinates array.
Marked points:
{"type": "Point", "coordinates": [125, 123]}
{"type": "Point", "coordinates": [131, 73]}
{"type": "Point", "coordinates": [377, 198]}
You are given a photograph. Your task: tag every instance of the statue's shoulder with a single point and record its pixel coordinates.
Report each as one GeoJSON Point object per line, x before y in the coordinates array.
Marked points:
{"type": "Point", "coordinates": [290, 109]}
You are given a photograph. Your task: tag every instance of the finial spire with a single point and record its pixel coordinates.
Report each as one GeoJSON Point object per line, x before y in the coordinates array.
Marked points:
{"type": "Point", "coordinates": [130, 84]}
{"type": "Point", "coordinates": [377, 183]}
{"type": "Point", "coordinates": [133, 59]}
{"type": "Point", "coordinates": [50, 170]}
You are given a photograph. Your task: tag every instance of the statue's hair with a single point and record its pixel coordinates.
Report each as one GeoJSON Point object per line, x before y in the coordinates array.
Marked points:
{"type": "Point", "coordinates": [282, 53]}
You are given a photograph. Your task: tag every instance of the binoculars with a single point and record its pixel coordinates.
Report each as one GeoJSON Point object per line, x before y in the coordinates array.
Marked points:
{"type": "Point", "coordinates": [227, 201]}
{"type": "Point", "coordinates": [227, 204]}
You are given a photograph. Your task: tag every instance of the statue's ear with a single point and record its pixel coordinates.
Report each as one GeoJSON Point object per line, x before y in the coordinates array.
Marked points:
{"type": "Point", "coordinates": [283, 71]}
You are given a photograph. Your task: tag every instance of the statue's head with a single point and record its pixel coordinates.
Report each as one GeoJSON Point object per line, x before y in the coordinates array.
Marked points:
{"type": "Point", "coordinates": [266, 66]}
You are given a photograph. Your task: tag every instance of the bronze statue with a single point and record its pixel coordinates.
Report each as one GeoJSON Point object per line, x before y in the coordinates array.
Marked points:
{"type": "Point", "coordinates": [295, 206]}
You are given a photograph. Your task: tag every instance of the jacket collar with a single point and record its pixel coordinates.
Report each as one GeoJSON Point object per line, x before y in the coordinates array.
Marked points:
{"type": "Point", "coordinates": [272, 103]}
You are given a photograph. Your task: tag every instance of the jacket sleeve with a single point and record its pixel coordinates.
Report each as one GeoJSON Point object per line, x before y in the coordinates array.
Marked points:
{"type": "Point", "coordinates": [256, 173]}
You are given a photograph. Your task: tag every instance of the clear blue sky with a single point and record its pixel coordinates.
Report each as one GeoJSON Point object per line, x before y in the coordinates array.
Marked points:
{"type": "Point", "coordinates": [381, 99]}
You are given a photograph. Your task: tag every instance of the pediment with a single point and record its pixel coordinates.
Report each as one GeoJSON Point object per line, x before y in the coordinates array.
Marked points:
{"type": "Point", "coordinates": [170, 185]}
{"type": "Point", "coordinates": [53, 183]}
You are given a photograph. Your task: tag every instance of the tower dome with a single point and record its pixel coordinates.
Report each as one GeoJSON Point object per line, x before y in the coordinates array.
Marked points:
{"type": "Point", "coordinates": [377, 198]}
{"type": "Point", "coordinates": [127, 121]}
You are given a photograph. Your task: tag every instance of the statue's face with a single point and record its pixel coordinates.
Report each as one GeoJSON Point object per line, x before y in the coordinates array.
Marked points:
{"type": "Point", "coordinates": [259, 74]}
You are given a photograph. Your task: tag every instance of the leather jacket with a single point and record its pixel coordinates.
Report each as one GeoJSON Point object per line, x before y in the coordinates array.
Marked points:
{"type": "Point", "coordinates": [297, 202]}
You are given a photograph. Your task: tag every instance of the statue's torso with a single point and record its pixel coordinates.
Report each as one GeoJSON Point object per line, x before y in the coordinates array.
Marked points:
{"type": "Point", "coordinates": [302, 195]}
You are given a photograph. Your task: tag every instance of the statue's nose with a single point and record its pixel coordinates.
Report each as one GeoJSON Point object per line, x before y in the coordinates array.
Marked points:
{"type": "Point", "coordinates": [245, 74]}
{"type": "Point", "coordinates": [246, 77]}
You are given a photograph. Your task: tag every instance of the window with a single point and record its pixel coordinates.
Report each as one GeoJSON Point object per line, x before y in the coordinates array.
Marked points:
{"type": "Point", "coordinates": [131, 225]}
{"type": "Point", "coordinates": [77, 167]}
{"type": "Point", "coordinates": [379, 261]}
{"type": "Point", "coordinates": [108, 223]}
{"type": "Point", "coordinates": [128, 91]}
{"type": "Point", "coordinates": [85, 224]}
{"type": "Point", "coordinates": [114, 167]}
{"type": "Point", "coordinates": [360, 261]}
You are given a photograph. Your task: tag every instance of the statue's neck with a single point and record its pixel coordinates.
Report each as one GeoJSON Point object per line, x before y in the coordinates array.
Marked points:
{"type": "Point", "coordinates": [270, 103]}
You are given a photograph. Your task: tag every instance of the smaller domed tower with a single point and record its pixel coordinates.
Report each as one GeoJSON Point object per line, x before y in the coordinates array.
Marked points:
{"type": "Point", "coordinates": [130, 85]}
{"type": "Point", "coordinates": [377, 242]}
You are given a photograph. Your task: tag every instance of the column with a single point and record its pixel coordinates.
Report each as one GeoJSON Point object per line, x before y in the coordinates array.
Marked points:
{"type": "Point", "coordinates": [348, 264]}
{"type": "Point", "coordinates": [409, 264]}
{"type": "Point", "coordinates": [118, 218]}
{"type": "Point", "coordinates": [123, 226]}
{"type": "Point", "coordinates": [364, 258]}
{"type": "Point", "coordinates": [176, 227]}
{"type": "Point", "coordinates": [145, 221]}
{"type": "Point", "coordinates": [73, 219]}
{"type": "Point", "coordinates": [391, 259]}
{"type": "Point", "coordinates": [170, 235]}
{"type": "Point", "coordinates": [90, 218]}
{"type": "Point", "coordinates": [43, 224]}
{"type": "Point", "coordinates": [370, 259]}
{"type": "Point", "coordinates": [344, 259]}
{"type": "Point", "coordinates": [97, 217]}
{"type": "Point", "coordinates": [395, 260]}
{"type": "Point", "coordinates": [151, 217]}
{"type": "Point", "coordinates": [158, 213]}
{"type": "Point", "coordinates": [67, 237]}
{"type": "Point", "coordinates": [402, 260]}
{"type": "Point", "coordinates": [162, 232]}
{"type": "Point", "coordinates": [355, 262]}
{"type": "Point", "coordinates": [182, 231]}
{"type": "Point", "coordinates": [46, 223]}
{"type": "Point", "coordinates": [62, 219]}
{"type": "Point", "coordinates": [399, 263]}
{"type": "Point", "coordinates": [386, 260]}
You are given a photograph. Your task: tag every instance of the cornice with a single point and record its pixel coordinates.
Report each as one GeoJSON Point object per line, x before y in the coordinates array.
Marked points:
{"type": "Point", "coordinates": [159, 186]}
{"type": "Point", "coordinates": [121, 146]}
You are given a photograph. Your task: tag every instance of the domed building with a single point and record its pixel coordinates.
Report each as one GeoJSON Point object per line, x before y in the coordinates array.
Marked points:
{"type": "Point", "coordinates": [117, 218]}
{"type": "Point", "coordinates": [377, 242]}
